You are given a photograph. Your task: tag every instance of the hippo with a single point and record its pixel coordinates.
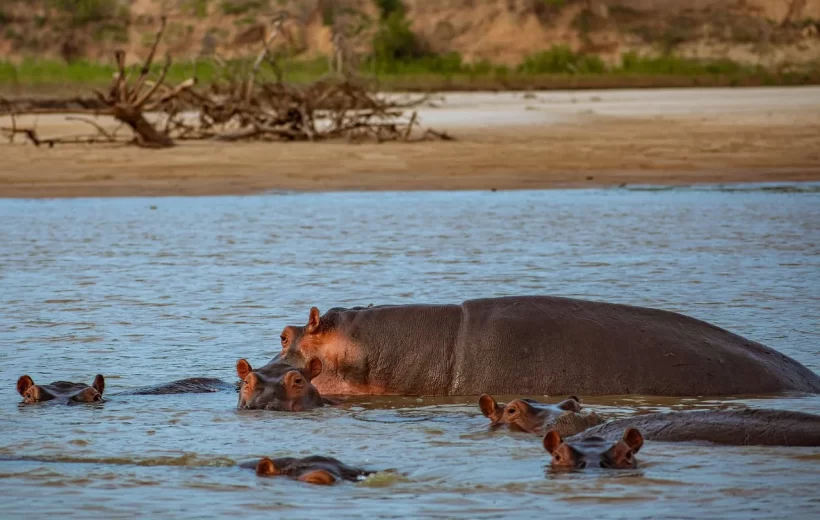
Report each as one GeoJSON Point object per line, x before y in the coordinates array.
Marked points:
{"type": "Point", "coordinates": [744, 427]}
{"type": "Point", "coordinates": [313, 470]}
{"type": "Point", "coordinates": [72, 393]}
{"type": "Point", "coordinates": [192, 385]}
{"type": "Point", "coordinates": [536, 345]}
{"type": "Point", "coordinates": [275, 386]}
{"type": "Point", "coordinates": [62, 392]}
{"type": "Point", "coordinates": [593, 451]}
{"type": "Point", "coordinates": [528, 415]}
{"type": "Point", "coordinates": [278, 386]}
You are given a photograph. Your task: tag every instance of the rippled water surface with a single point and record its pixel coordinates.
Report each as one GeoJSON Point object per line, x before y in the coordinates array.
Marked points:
{"type": "Point", "coordinates": [150, 290]}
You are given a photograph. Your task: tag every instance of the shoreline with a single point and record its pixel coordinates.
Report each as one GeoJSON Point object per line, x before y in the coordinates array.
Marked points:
{"type": "Point", "coordinates": [506, 141]}
{"type": "Point", "coordinates": [74, 95]}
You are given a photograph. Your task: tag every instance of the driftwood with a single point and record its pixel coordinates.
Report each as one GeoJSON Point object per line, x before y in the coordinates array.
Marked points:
{"type": "Point", "coordinates": [238, 108]}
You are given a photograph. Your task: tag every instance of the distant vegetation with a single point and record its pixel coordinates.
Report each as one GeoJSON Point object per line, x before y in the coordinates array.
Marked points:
{"type": "Point", "coordinates": [398, 57]}
{"type": "Point", "coordinates": [558, 67]}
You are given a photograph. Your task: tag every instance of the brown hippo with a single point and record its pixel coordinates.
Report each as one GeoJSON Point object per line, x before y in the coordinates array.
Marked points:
{"type": "Point", "coordinates": [734, 427]}
{"type": "Point", "coordinates": [534, 345]}
{"type": "Point", "coordinates": [69, 393]}
{"type": "Point", "coordinates": [531, 416]}
{"type": "Point", "coordinates": [192, 385]}
{"type": "Point", "coordinates": [278, 386]}
{"type": "Point", "coordinates": [595, 452]}
{"type": "Point", "coordinates": [62, 392]}
{"type": "Point", "coordinates": [313, 470]}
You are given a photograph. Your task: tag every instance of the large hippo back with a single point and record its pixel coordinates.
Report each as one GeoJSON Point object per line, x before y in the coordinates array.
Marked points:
{"type": "Point", "coordinates": [551, 345]}
{"type": "Point", "coordinates": [735, 427]}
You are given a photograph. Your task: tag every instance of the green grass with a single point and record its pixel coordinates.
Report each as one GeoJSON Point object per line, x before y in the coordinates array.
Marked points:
{"type": "Point", "coordinates": [53, 72]}
{"type": "Point", "coordinates": [88, 11]}
{"type": "Point", "coordinates": [676, 66]}
{"type": "Point", "coordinates": [237, 7]}
{"type": "Point", "coordinates": [558, 67]}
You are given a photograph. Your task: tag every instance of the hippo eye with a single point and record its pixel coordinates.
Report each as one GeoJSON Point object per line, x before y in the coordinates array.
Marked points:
{"type": "Point", "coordinates": [511, 411]}
{"type": "Point", "coordinates": [297, 380]}
{"type": "Point", "coordinates": [557, 457]}
{"type": "Point", "coordinates": [629, 456]}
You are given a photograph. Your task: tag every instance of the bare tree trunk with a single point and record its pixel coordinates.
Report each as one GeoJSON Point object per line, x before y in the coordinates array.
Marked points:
{"type": "Point", "coordinates": [795, 12]}
{"type": "Point", "coordinates": [147, 135]}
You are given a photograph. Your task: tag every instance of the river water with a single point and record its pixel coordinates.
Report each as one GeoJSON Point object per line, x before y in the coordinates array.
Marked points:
{"type": "Point", "coordinates": [151, 290]}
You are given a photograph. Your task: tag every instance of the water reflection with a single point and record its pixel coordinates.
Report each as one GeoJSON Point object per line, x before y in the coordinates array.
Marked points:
{"type": "Point", "coordinates": [146, 296]}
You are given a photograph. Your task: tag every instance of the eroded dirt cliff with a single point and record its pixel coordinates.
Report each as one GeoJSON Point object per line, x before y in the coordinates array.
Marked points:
{"type": "Point", "coordinates": [769, 32]}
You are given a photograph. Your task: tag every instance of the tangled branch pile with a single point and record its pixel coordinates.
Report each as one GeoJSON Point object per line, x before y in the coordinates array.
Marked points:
{"type": "Point", "coordinates": [241, 108]}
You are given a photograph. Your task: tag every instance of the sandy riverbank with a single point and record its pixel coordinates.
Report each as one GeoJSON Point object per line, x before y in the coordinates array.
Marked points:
{"type": "Point", "coordinates": [506, 141]}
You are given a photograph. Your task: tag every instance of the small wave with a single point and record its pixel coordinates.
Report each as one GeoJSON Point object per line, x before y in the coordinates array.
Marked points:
{"type": "Point", "coordinates": [385, 478]}
{"type": "Point", "coordinates": [809, 187]}
{"type": "Point", "coordinates": [186, 460]}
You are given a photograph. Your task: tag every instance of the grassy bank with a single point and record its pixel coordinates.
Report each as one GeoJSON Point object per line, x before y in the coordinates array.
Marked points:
{"type": "Point", "coordinates": [557, 68]}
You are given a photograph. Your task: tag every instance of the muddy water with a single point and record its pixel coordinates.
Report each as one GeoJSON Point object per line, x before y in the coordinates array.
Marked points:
{"type": "Point", "coordinates": [147, 291]}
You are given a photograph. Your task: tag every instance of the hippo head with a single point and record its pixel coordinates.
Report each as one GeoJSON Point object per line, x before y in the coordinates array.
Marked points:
{"type": "Point", "coordinates": [280, 467]}
{"type": "Point", "coordinates": [279, 386]}
{"type": "Point", "coordinates": [594, 451]}
{"type": "Point", "coordinates": [531, 416]}
{"type": "Point", "coordinates": [315, 469]}
{"type": "Point", "coordinates": [61, 391]}
{"type": "Point", "coordinates": [300, 342]}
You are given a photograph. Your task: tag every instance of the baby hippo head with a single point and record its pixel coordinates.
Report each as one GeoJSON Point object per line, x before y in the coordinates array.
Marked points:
{"type": "Point", "coordinates": [279, 386]}
{"type": "Point", "coordinates": [61, 391]}
{"type": "Point", "coordinates": [315, 469]}
{"type": "Point", "coordinates": [531, 416]}
{"type": "Point", "coordinates": [594, 452]}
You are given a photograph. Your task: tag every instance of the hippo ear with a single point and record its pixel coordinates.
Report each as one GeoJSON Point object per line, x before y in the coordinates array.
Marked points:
{"type": "Point", "coordinates": [570, 405]}
{"type": "Point", "coordinates": [487, 404]}
{"type": "Point", "coordinates": [313, 368]}
{"type": "Point", "coordinates": [99, 384]}
{"type": "Point", "coordinates": [552, 440]}
{"type": "Point", "coordinates": [633, 439]}
{"type": "Point", "coordinates": [266, 468]}
{"type": "Point", "coordinates": [23, 384]}
{"type": "Point", "coordinates": [314, 320]}
{"type": "Point", "coordinates": [243, 368]}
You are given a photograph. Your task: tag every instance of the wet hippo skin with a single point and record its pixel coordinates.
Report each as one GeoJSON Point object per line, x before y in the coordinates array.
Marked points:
{"type": "Point", "coordinates": [528, 415]}
{"type": "Point", "coordinates": [593, 451]}
{"type": "Point", "coordinates": [63, 392]}
{"type": "Point", "coordinates": [193, 385]}
{"type": "Point", "coordinates": [72, 393]}
{"type": "Point", "coordinates": [314, 470]}
{"type": "Point", "coordinates": [275, 386]}
{"type": "Point", "coordinates": [279, 386]}
{"type": "Point", "coordinates": [537, 345]}
{"type": "Point", "coordinates": [733, 427]}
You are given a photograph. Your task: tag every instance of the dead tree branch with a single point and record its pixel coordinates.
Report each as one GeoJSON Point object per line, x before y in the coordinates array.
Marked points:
{"type": "Point", "coordinates": [237, 106]}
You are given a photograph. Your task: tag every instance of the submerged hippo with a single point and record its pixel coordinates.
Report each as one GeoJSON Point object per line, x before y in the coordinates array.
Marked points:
{"type": "Point", "coordinates": [192, 385]}
{"type": "Point", "coordinates": [313, 470]}
{"type": "Point", "coordinates": [61, 391]}
{"type": "Point", "coordinates": [595, 452]}
{"type": "Point", "coordinates": [278, 386]}
{"type": "Point", "coordinates": [733, 427]}
{"type": "Point", "coordinates": [73, 393]}
{"type": "Point", "coordinates": [534, 345]}
{"type": "Point", "coordinates": [531, 416]}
